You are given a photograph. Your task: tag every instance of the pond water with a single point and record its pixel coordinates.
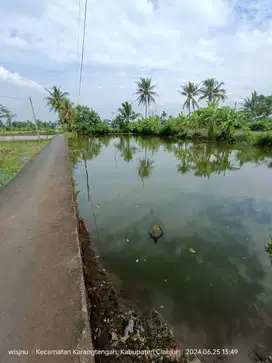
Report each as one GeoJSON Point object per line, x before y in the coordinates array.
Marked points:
{"type": "Point", "coordinates": [209, 275]}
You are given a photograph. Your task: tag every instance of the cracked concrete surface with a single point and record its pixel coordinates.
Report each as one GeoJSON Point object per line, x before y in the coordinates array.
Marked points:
{"type": "Point", "coordinates": [42, 294]}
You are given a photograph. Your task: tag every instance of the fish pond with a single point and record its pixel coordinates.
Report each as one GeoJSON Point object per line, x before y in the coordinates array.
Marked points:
{"type": "Point", "coordinates": [209, 274]}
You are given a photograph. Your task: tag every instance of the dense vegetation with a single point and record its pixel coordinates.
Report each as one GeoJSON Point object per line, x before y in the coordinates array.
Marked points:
{"type": "Point", "coordinates": [249, 122]}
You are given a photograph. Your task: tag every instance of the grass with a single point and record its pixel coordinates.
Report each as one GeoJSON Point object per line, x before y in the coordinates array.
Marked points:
{"type": "Point", "coordinates": [42, 132]}
{"type": "Point", "coordinates": [14, 155]}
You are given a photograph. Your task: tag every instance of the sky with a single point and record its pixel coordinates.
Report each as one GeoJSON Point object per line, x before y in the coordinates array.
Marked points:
{"type": "Point", "coordinates": [172, 41]}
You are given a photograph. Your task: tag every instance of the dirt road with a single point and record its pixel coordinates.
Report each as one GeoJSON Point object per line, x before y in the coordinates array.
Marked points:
{"type": "Point", "coordinates": [42, 302]}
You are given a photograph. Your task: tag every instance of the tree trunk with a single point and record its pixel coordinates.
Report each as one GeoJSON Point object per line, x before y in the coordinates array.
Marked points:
{"type": "Point", "coordinates": [146, 110]}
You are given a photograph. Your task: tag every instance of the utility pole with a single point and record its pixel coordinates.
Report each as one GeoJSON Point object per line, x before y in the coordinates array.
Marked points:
{"type": "Point", "coordinates": [32, 108]}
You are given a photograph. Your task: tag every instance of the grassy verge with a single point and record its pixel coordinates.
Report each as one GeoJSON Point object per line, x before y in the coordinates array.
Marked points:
{"type": "Point", "coordinates": [14, 155]}
{"type": "Point", "coordinates": [42, 132]}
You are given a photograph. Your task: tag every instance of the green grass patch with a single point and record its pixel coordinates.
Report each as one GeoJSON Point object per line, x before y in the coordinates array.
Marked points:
{"type": "Point", "coordinates": [15, 154]}
{"type": "Point", "coordinates": [34, 133]}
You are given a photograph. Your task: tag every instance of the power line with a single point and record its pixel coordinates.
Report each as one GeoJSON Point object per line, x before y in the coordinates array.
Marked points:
{"type": "Point", "coordinates": [83, 48]}
{"type": "Point", "coordinates": [14, 98]}
{"type": "Point", "coordinates": [78, 39]}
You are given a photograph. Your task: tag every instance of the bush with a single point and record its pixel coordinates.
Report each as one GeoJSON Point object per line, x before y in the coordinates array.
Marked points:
{"type": "Point", "coordinates": [152, 125]}
{"type": "Point", "coordinates": [264, 141]}
{"type": "Point", "coordinates": [257, 126]}
{"type": "Point", "coordinates": [87, 122]}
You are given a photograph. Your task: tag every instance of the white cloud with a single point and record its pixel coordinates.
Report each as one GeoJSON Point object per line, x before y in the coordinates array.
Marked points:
{"type": "Point", "coordinates": [174, 42]}
{"type": "Point", "coordinates": [18, 80]}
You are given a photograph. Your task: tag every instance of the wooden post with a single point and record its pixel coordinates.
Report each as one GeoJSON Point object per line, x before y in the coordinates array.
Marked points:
{"type": "Point", "coordinates": [33, 112]}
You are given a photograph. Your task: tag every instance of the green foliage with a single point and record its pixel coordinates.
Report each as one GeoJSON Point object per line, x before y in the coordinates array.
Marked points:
{"type": "Point", "coordinates": [27, 126]}
{"type": "Point", "coordinates": [145, 92]}
{"type": "Point", "coordinates": [190, 90]}
{"type": "Point", "coordinates": [87, 122]}
{"type": "Point", "coordinates": [212, 91]}
{"type": "Point", "coordinates": [264, 141]}
{"type": "Point", "coordinates": [257, 105]}
{"type": "Point", "coordinates": [152, 125]}
{"type": "Point", "coordinates": [125, 115]}
{"type": "Point", "coordinates": [67, 112]}
{"type": "Point", "coordinates": [55, 101]}
{"type": "Point", "coordinates": [264, 124]}
{"type": "Point", "coordinates": [6, 115]}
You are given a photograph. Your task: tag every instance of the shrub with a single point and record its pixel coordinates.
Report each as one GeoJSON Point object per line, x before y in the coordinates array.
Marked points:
{"type": "Point", "coordinates": [264, 141]}
{"type": "Point", "coordinates": [87, 122]}
{"type": "Point", "coordinates": [257, 126]}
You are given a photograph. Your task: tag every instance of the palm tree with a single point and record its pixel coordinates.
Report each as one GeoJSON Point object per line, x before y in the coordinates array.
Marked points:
{"type": "Point", "coordinates": [55, 99]}
{"type": "Point", "coordinates": [212, 91]}
{"type": "Point", "coordinates": [190, 90]}
{"type": "Point", "coordinates": [250, 104]}
{"type": "Point", "coordinates": [127, 113]}
{"type": "Point", "coordinates": [145, 92]}
{"type": "Point", "coordinates": [67, 111]}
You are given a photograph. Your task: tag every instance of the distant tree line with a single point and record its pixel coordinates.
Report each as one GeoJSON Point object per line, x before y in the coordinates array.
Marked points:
{"type": "Point", "coordinates": [211, 121]}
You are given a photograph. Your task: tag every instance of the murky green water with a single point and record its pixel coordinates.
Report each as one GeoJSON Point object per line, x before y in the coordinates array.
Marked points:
{"type": "Point", "coordinates": [215, 200]}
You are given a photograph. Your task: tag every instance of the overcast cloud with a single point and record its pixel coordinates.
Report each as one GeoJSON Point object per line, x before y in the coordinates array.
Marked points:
{"type": "Point", "coordinates": [172, 41]}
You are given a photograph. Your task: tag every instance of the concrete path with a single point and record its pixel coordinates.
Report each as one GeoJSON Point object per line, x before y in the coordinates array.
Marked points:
{"type": "Point", "coordinates": [42, 298]}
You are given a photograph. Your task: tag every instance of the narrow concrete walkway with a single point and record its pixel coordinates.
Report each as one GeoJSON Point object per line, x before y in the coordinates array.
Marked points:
{"type": "Point", "coordinates": [42, 298]}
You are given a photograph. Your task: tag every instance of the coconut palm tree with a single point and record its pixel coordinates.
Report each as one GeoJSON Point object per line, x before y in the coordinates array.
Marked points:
{"type": "Point", "coordinates": [145, 92]}
{"type": "Point", "coordinates": [127, 113]}
{"type": "Point", "coordinates": [190, 90]}
{"type": "Point", "coordinates": [250, 104]}
{"type": "Point", "coordinates": [67, 111]}
{"type": "Point", "coordinates": [55, 99]}
{"type": "Point", "coordinates": [212, 91]}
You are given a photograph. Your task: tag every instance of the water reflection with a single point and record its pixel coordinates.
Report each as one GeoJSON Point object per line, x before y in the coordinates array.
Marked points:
{"type": "Point", "coordinates": [204, 160]}
{"type": "Point", "coordinates": [201, 159]}
{"type": "Point", "coordinates": [221, 292]}
{"type": "Point", "coordinates": [126, 149]}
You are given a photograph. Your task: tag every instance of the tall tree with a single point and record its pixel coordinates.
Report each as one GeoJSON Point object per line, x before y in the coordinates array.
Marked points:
{"type": "Point", "coordinates": [55, 100]}
{"type": "Point", "coordinates": [190, 90]}
{"type": "Point", "coordinates": [6, 114]}
{"type": "Point", "coordinates": [250, 104]}
{"type": "Point", "coordinates": [212, 91]}
{"type": "Point", "coordinates": [126, 113]}
{"type": "Point", "coordinates": [67, 111]}
{"type": "Point", "coordinates": [258, 105]}
{"type": "Point", "coordinates": [145, 92]}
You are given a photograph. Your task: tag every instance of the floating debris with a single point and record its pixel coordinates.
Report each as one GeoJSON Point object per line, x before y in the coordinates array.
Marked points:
{"type": "Point", "coordinates": [162, 307]}
{"type": "Point", "coordinates": [165, 280]}
{"type": "Point", "coordinates": [127, 240]}
{"type": "Point", "coordinates": [156, 232]}
{"type": "Point", "coordinates": [137, 260]}
{"type": "Point", "coordinates": [98, 206]}
{"type": "Point", "coordinates": [191, 250]}
{"type": "Point", "coordinates": [227, 227]}
{"type": "Point", "coordinates": [129, 328]}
